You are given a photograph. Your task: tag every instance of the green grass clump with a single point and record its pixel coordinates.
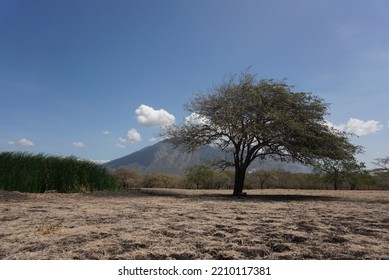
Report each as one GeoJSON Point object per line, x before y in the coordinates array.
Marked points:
{"type": "Point", "coordinates": [25, 172]}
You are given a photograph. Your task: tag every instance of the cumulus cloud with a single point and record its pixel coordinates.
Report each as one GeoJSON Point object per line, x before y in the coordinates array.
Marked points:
{"type": "Point", "coordinates": [25, 142]}
{"type": "Point", "coordinates": [79, 144]}
{"type": "Point", "coordinates": [22, 142]}
{"type": "Point", "coordinates": [148, 116]}
{"type": "Point", "coordinates": [122, 140]}
{"type": "Point", "coordinates": [106, 132]}
{"type": "Point", "coordinates": [334, 126]}
{"type": "Point", "coordinates": [133, 136]}
{"type": "Point", "coordinates": [358, 127]}
{"type": "Point", "coordinates": [195, 119]}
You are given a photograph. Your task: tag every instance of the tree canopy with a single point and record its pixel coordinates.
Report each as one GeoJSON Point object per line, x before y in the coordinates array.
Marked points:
{"type": "Point", "coordinates": [255, 119]}
{"type": "Point", "coordinates": [200, 175]}
{"type": "Point", "coordinates": [339, 171]}
{"type": "Point", "coordinates": [382, 170]}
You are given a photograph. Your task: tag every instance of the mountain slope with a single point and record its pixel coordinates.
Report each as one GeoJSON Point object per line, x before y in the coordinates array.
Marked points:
{"type": "Point", "coordinates": [163, 158]}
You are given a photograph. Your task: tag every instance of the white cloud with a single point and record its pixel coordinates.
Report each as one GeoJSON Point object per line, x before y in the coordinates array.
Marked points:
{"type": "Point", "coordinates": [337, 127]}
{"type": "Point", "coordinates": [153, 139]}
{"type": "Point", "coordinates": [79, 144]}
{"type": "Point", "coordinates": [122, 140]}
{"type": "Point", "coordinates": [358, 127]}
{"type": "Point", "coordinates": [106, 132]}
{"type": "Point", "coordinates": [195, 119]}
{"type": "Point", "coordinates": [25, 142]}
{"type": "Point", "coordinates": [148, 116]}
{"type": "Point", "coordinates": [99, 161]}
{"type": "Point", "coordinates": [388, 123]}
{"type": "Point", "coordinates": [133, 136]}
{"type": "Point", "coordinates": [22, 142]}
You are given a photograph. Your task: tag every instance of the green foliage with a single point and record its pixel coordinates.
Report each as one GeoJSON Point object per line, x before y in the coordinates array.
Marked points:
{"type": "Point", "coordinates": [280, 179]}
{"type": "Point", "coordinates": [25, 172]}
{"type": "Point", "coordinates": [200, 175]}
{"type": "Point", "coordinates": [337, 172]}
{"type": "Point", "coordinates": [263, 177]}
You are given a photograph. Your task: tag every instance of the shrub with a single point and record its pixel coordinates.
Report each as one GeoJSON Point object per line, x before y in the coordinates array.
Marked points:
{"type": "Point", "coordinates": [128, 179]}
{"type": "Point", "coordinates": [223, 180]}
{"type": "Point", "coordinates": [158, 180]}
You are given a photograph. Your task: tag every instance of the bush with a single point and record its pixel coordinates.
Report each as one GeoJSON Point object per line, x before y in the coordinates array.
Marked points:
{"type": "Point", "coordinates": [128, 179]}
{"type": "Point", "coordinates": [223, 180]}
{"type": "Point", "coordinates": [158, 180]}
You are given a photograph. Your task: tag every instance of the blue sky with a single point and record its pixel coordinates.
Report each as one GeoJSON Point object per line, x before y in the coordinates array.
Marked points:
{"type": "Point", "coordinates": [97, 79]}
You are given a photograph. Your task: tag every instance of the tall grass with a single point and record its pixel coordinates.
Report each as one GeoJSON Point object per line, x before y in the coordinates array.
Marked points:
{"type": "Point", "coordinates": [25, 172]}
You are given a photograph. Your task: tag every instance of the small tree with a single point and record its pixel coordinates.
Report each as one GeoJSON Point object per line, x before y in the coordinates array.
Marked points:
{"type": "Point", "coordinates": [200, 175]}
{"type": "Point", "coordinates": [256, 119]}
{"type": "Point", "coordinates": [337, 172]}
{"type": "Point", "coordinates": [264, 176]}
{"type": "Point", "coordinates": [128, 178]}
{"type": "Point", "coordinates": [382, 171]}
{"type": "Point", "coordinates": [364, 178]}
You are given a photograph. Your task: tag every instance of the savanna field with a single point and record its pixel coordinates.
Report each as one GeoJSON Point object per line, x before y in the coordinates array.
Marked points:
{"type": "Point", "coordinates": [194, 130]}
{"type": "Point", "coordinates": [195, 224]}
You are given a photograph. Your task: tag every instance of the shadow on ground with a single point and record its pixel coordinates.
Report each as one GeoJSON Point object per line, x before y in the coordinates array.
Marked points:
{"type": "Point", "coordinates": [256, 197]}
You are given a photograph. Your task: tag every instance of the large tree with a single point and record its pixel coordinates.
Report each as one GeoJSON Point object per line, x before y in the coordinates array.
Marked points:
{"type": "Point", "coordinates": [256, 119]}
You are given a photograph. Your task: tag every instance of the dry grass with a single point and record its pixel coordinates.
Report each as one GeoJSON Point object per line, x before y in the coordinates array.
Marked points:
{"type": "Point", "coordinates": [189, 224]}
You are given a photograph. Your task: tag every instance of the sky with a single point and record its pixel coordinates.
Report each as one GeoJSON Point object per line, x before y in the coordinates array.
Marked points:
{"type": "Point", "coordinates": [98, 79]}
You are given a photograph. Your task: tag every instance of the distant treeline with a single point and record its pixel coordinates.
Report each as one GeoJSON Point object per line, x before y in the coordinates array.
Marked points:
{"type": "Point", "coordinates": [25, 172]}
{"type": "Point", "coordinates": [202, 177]}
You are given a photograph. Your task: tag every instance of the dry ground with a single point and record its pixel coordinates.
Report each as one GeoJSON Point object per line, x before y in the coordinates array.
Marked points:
{"type": "Point", "coordinates": [192, 224]}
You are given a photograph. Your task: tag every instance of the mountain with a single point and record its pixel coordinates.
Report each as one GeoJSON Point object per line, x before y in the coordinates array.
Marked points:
{"type": "Point", "coordinates": [163, 158]}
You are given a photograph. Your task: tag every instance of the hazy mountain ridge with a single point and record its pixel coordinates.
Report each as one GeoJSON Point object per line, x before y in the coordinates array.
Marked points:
{"type": "Point", "coordinates": [163, 158]}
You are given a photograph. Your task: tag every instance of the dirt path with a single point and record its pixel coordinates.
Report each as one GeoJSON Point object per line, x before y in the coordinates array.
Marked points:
{"type": "Point", "coordinates": [189, 224]}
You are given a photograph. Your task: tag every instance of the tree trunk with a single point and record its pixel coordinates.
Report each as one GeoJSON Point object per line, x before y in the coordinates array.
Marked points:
{"type": "Point", "coordinates": [336, 180]}
{"type": "Point", "coordinates": [240, 174]}
{"type": "Point", "coordinates": [336, 185]}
